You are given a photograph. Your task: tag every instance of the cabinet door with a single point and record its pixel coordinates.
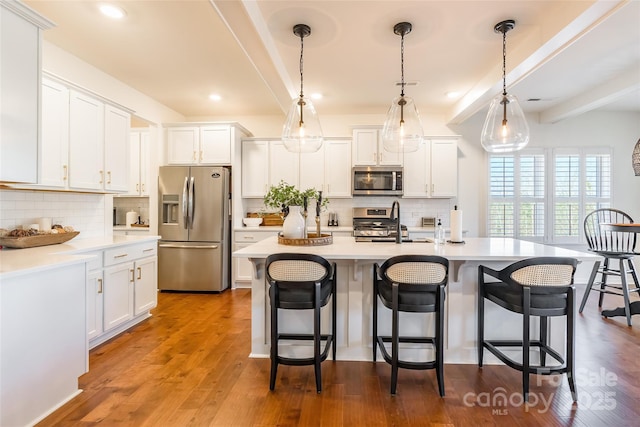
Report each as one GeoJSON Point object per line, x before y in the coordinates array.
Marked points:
{"type": "Point", "coordinates": [183, 145]}
{"type": "Point", "coordinates": [337, 168]}
{"type": "Point", "coordinates": [255, 168]}
{"type": "Point", "coordinates": [86, 142]}
{"type": "Point", "coordinates": [94, 304]}
{"type": "Point", "coordinates": [146, 285]}
{"type": "Point", "coordinates": [444, 168]}
{"type": "Point", "coordinates": [20, 87]}
{"type": "Point", "coordinates": [144, 163]}
{"type": "Point", "coordinates": [117, 125]}
{"type": "Point", "coordinates": [312, 171]}
{"type": "Point", "coordinates": [118, 295]}
{"type": "Point", "coordinates": [417, 169]}
{"type": "Point", "coordinates": [215, 145]}
{"type": "Point", "coordinates": [134, 164]}
{"type": "Point", "coordinates": [365, 147]}
{"type": "Point", "coordinates": [54, 145]}
{"type": "Point", "coordinates": [387, 157]}
{"type": "Point", "coordinates": [283, 164]}
{"type": "Point", "coordinates": [242, 268]}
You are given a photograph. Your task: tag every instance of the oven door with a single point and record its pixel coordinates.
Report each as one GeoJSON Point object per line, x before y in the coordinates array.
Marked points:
{"type": "Point", "coordinates": [377, 181]}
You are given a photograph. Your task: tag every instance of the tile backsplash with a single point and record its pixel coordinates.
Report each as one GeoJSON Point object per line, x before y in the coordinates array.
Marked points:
{"type": "Point", "coordinates": [83, 211]}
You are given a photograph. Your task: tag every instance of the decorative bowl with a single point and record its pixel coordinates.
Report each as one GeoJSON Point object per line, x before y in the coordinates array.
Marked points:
{"type": "Point", "coordinates": [252, 222]}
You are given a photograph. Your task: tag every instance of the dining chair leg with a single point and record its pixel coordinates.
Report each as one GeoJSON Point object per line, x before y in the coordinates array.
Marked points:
{"type": "Point", "coordinates": [543, 339]}
{"type": "Point", "coordinates": [394, 339]}
{"type": "Point", "coordinates": [525, 343]}
{"type": "Point", "coordinates": [603, 284]}
{"type": "Point", "coordinates": [439, 340]}
{"type": "Point", "coordinates": [634, 274]}
{"type": "Point", "coordinates": [571, 343]}
{"type": "Point", "coordinates": [592, 278]}
{"type": "Point", "coordinates": [274, 348]}
{"type": "Point", "coordinates": [625, 291]}
{"type": "Point", "coordinates": [316, 339]}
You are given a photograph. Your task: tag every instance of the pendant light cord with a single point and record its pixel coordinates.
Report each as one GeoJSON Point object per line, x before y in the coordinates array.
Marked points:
{"type": "Point", "coordinates": [402, 64]}
{"type": "Point", "coordinates": [504, 62]}
{"type": "Point", "coordinates": [301, 64]}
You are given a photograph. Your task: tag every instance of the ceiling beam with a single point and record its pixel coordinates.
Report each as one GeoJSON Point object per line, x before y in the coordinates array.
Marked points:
{"type": "Point", "coordinates": [244, 21]}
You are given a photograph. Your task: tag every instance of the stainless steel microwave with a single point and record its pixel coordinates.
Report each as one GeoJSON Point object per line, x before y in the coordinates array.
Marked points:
{"type": "Point", "coordinates": [376, 181]}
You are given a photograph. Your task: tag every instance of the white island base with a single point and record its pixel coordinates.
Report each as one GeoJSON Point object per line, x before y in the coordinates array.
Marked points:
{"type": "Point", "coordinates": [355, 297]}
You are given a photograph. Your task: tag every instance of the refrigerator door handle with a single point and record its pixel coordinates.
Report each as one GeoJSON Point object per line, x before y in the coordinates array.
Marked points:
{"type": "Point", "coordinates": [185, 200]}
{"type": "Point", "coordinates": [190, 210]}
{"type": "Point", "coordinates": [174, 246]}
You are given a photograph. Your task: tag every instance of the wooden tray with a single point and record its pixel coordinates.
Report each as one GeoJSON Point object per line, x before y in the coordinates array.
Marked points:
{"type": "Point", "coordinates": [269, 219]}
{"type": "Point", "coordinates": [311, 240]}
{"type": "Point", "coordinates": [38, 240]}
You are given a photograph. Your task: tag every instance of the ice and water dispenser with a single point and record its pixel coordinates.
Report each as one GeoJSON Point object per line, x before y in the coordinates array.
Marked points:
{"type": "Point", "coordinates": [170, 209]}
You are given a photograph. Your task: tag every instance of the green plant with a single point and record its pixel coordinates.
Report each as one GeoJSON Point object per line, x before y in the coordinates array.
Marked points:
{"type": "Point", "coordinates": [283, 195]}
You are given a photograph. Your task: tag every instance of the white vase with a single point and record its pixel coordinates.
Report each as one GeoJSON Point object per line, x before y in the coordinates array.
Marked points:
{"type": "Point", "coordinates": [293, 226]}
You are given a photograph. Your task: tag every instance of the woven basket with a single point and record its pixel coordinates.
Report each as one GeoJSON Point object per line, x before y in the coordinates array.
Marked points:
{"type": "Point", "coordinates": [311, 240]}
{"type": "Point", "coordinates": [267, 219]}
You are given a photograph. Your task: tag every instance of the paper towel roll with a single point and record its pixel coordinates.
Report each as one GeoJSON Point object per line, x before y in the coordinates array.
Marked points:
{"type": "Point", "coordinates": [456, 225]}
{"type": "Point", "coordinates": [132, 218]}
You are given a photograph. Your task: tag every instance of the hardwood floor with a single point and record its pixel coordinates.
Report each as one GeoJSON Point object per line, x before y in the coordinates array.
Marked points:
{"type": "Point", "coordinates": [188, 365]}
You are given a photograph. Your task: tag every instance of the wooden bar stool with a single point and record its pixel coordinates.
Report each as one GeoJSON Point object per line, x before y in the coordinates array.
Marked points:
{"type": "Point", "coordinates": [411, 283]}
{"type": "Point", "coordinates": [612, 245]}
{"type": "Point", "coordinates": [540, 287]}
{"type": "Point", "coordinates": [301, 282]}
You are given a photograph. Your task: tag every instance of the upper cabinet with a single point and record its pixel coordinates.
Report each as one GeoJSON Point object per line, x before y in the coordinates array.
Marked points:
{"type": "Point", "coordinates": [202, 144]}
{"type": "Point", "coordinates": [368, 149]}
{"type": "Point", "coordinates": [327, 170]}
{"type": "Point", "coordinates": [20, 45]}
{"type": "Point", "coordinates": [139, 163]}
{"type": "Point", "coordinates": [85, 140]}
{"type": "Point", "coordinates": [432, 171]}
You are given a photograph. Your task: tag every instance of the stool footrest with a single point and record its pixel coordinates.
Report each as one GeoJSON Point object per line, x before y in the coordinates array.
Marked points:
{"type": "Point", "coordinates": [431, 364]}
{"type": "Point", "coordinates": [537, 369]}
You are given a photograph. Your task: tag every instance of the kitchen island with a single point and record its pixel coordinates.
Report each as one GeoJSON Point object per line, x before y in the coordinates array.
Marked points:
{"type": "Point", "coordinates": [355, 295]}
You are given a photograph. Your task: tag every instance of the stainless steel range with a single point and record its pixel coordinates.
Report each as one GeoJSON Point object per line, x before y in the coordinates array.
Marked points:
{"type": "Point", "coordinates": [376, 225]}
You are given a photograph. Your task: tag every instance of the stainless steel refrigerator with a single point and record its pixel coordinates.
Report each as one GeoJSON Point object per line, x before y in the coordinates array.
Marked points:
{"type": "Point", "coordinates": [194, 252]}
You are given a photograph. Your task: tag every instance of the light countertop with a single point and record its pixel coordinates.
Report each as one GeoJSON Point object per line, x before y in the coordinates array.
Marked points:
{"type": "Point", "coordinates": [475, 248]}
{"type": "Point", "coordinates": [15, 262]}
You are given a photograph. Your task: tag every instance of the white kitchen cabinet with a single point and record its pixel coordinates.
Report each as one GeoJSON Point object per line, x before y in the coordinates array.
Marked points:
{"type": "Point", "coordinates": [94, 303]}
{"type": "Point", "coordinates": [20, 45]}
{"type": "Point", "coordinates": [139, 163]}
{"type": "Point", "coordinates": [54, 144]}
{"type": "Point", "coordinates": [337, 168]}
{"type": "Point", "coordinates": [117, 126]}
{"type": "Point", "coordinates": [432, 171]}
{"type": "Point", "coordinates": [312, 170]}
{"type": "Point", "coordinates": [130, 283]}
{"type": "Point", "coordinates": [368, 149]}
{"type": "Point", "coordinates": [283, 164]}
{"type": "Point", "coordinates": [255, 168]}
{"type": "Point", "coordinates": [86, 142]}
{"type": "Point", "coordinates": [200, 145]}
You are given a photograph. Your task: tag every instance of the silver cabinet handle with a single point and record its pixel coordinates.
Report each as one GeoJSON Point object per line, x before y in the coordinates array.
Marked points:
{"type": "Point", "coordinates": [189, 247]}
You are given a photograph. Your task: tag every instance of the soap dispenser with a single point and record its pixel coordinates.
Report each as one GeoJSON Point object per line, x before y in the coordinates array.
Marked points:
{"type": "Point", "coordinates": [439, 233]}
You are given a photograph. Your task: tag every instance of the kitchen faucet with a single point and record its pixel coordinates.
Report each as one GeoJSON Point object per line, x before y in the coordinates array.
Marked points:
{"type": "Point", "coordinates": [396, 205]}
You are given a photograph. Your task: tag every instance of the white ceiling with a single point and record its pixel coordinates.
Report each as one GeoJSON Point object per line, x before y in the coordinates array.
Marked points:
{"type": "Point", "coordinates": [575, 56]}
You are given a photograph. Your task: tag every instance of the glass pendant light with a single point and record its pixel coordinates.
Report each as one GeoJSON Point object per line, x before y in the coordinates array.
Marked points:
{"type": "Point", "coordinates": [635, 158]}
{"type": "Point", "coordinates": [505, 128]}
{"type": "Point", "coordinates": [402, 130]}
{"type": "Point", "coordinates": [301, 132]}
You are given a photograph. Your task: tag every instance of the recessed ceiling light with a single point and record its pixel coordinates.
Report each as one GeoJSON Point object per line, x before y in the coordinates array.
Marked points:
{"type": "Point", "coordinates": [452, 94]}
{"type": "Point", "coordinates": [316, 96]}
{"type": "Point", "coordinates": [215, 97]}
{"type": "Point", "coordinates": [112, 11]}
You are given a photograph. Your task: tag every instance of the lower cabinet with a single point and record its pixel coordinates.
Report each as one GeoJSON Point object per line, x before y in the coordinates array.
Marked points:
{"type": "Point", "coordinates": [242, 268]}
{"type": "Point", "coordinates": [122, 293]}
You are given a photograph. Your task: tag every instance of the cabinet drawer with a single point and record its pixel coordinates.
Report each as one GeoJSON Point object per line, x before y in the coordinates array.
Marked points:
{"type": "Point", "coordinates": [253, 236]}
{"type": "Point", "coordinates": [96, 262]}
{"type": "Point", "coordinates": [129, 253]}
